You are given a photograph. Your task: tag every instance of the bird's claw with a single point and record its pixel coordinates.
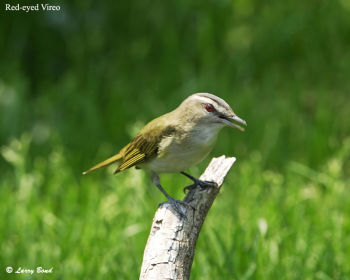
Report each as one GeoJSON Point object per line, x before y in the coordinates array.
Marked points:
{"type": "Point", "coordinates": [175, 204]}
{"type": "Point", "coordinates": [202, 184]}
{"type": "Point", "coordinates": [189, 188]}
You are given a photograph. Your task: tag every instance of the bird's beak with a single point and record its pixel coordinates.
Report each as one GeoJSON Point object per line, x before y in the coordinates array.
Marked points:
{"type": "Point", "coordinates": [229, 120]}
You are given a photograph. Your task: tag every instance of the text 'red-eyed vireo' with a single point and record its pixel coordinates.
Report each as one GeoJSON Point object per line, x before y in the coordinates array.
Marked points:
{"type": "Point", "coordinates": [177, 140]}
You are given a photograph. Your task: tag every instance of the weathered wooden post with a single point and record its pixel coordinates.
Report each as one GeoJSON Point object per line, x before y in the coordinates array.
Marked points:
{"type": "Point", "coordinates": [170, 247]}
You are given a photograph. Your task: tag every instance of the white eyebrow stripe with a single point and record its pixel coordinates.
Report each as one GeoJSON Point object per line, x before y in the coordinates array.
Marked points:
{"type": "Point", "coordinates": [206, 100]}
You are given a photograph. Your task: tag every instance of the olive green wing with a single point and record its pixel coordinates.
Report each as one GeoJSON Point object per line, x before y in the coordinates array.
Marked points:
{"type": "Point", "coordinates": [143, 148]}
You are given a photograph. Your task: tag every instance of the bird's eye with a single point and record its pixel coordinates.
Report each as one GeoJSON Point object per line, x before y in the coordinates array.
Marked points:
{"type": "Point", "coordinates": [209, 108]}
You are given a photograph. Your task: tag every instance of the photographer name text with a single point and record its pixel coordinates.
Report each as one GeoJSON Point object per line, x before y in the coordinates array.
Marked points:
{"type": "Point", "coordinates": [31, 8]}
{"type": "Point", "coordinates": [21, 270]}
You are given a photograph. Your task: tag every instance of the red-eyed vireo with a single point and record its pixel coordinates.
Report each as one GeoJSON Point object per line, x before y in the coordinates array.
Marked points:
{"type": "Point", "coordinates": [177, 140]}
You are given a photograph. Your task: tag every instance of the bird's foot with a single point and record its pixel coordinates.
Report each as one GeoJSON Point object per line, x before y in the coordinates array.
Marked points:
{"type": "Point", "coordinates": [176, 206]}
{"type": "Point", "coordinates": [202, 184]}
{"type": "Point", "coordinates": [196, 182]}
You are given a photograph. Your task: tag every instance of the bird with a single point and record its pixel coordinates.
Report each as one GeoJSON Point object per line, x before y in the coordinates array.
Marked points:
{"type": "Point", "coordinates": [177, 141]}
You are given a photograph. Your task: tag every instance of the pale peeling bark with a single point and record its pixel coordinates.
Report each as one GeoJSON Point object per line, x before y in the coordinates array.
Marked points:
{"type": "Point", "coordinates": [170, 247]}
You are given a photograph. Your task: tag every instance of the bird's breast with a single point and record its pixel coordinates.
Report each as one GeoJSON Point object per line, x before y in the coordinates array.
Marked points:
{"type": "Point", "coordinates": [184, 149]}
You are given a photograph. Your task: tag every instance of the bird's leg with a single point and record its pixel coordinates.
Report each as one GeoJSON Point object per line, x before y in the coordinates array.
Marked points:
{"type": "Point", "coordinates": [173, 202]}
{"type": "Point", "coordinates": [196, 182]}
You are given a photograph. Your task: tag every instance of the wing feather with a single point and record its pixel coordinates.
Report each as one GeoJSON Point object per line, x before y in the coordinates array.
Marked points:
{"type": "Point", "coordinates": [131, 162]}
{"type": "Point", "coordinates": [144, 147]}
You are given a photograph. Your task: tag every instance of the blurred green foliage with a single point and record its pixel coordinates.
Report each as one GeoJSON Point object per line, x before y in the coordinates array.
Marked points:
{"type": "Point", "coordinates": [76, 85]}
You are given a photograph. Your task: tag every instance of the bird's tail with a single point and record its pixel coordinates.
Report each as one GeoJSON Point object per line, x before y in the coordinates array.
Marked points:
{"type": "Point", "coordinates": [105, 163]}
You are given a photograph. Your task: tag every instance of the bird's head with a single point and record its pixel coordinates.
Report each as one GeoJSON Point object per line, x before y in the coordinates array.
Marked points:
{"type": "Point", "coordinates": [208, 109]}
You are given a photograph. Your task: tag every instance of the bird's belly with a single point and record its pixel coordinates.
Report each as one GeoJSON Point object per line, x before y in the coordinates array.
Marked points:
{"type": "Point", "coordinates": [179, 156]}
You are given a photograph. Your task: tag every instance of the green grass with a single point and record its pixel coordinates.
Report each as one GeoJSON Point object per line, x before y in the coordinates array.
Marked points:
{"type": "Point", "coordinates": [263, 225]}
{"type": "Point", "coordinates": [76, 86]}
